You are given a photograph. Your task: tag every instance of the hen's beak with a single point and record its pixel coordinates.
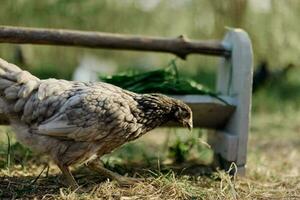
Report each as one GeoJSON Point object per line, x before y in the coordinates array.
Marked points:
{"type": "Point", "coordinates": [188, 124]}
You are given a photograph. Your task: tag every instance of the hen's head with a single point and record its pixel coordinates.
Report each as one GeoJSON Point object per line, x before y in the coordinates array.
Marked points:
{"type": "Point", "coordinates": [183, 114]}
{"type": "Point", "coordinates": [176, 110]}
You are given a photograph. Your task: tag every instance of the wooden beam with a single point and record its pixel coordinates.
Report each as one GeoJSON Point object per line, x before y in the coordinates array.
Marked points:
{"type": "Point", "coordinates": [208, 112]}
{"type": "Point", "coordinates": [180, 46]}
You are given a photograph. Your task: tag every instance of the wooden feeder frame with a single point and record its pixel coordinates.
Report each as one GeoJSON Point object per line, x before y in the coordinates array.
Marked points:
{"type": "Point", "coordinates": [228, 123]}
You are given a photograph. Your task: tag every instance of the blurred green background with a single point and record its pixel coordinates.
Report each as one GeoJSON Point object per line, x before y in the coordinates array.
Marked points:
{"type": "Point", "coordinates": [271, 24]}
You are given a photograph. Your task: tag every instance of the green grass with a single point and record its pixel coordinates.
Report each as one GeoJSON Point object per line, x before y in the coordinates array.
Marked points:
{"type": "Point", "coordinates": [281, 94]}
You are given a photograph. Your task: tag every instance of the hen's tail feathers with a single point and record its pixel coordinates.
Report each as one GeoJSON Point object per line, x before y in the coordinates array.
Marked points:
{"type": "Point", "coordinates": [16, 85]}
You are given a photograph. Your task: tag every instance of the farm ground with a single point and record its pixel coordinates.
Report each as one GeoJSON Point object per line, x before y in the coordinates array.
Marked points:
{"type": "Point", "coordinates": [273, 170]}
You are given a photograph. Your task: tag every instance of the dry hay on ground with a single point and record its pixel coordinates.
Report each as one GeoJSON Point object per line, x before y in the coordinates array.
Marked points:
{"type": "Point", "coordinates": [273, 173]}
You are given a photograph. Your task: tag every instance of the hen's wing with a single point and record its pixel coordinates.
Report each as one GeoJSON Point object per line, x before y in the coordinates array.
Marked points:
{"type": "Point", "coordinates": [93, 115]}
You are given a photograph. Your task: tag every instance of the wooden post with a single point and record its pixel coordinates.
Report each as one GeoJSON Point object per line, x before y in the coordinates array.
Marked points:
{"type": "Point", "coordinates": [235, 80]}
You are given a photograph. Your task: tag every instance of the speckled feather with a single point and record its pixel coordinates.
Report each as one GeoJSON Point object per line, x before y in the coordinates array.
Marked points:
{"type": "Point", "coordinates": [72, 121]}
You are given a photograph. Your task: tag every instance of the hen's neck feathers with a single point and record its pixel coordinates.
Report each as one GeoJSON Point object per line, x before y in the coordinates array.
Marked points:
{"type": "Point", "coordinates": [155, 109]}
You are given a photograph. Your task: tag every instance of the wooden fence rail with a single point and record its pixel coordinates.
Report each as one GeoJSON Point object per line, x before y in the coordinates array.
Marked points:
{"type": "Point", "coordinates": [180, 46]}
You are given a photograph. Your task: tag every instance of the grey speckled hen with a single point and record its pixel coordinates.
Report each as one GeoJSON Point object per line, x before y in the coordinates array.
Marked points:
{"type": "Point", "coordinates": [74, 122]}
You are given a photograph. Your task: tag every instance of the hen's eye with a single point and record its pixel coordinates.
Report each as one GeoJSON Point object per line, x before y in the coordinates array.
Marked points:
{"type": "Point", "coordinates": [185, 114]}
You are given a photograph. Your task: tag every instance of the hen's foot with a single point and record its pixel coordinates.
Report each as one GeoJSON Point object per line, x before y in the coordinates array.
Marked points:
{"type": "Point", "coordinates": [122, 180]}
{"type": "Point", "coordinates": [127, 181]}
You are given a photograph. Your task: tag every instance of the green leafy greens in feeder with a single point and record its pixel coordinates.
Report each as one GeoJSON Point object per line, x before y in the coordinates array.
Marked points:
{"type": "Point", "coordinates": [166, 81]}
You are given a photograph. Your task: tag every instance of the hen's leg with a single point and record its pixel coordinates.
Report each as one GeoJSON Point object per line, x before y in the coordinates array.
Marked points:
{"type": "Point", "coordinates": [68, 176]}
{"type": "Point", "coordinates": [122, 180]}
